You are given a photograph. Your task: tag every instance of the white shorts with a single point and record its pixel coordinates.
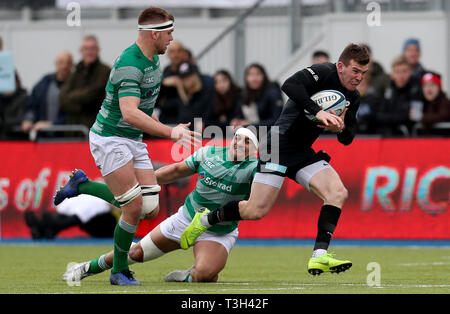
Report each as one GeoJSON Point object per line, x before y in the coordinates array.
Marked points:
{"type": "Point", "coordinates": [173, 227]}
{"type": "Point", "coordinates": [113, 152]}
{"type": "Point", "coordinates": [304, 175]}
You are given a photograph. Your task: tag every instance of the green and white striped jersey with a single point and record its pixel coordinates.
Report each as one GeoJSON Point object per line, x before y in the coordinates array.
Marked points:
{"type": "Point", "coordinates": [219, 182]}
{"type": "Point", "coordinates": [133, 74]}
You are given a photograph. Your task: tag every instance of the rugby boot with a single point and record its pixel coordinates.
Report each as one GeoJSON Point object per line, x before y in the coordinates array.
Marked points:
{"type": "Point", "coordinates": [70, 189]}
{"type": "Point", "coordinates": [194, 230]}
{"type": "Point", "coordinates": [327, 263]}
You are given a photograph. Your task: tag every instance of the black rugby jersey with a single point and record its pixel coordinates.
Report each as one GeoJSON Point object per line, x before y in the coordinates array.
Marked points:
{"type": "Point", "coordinates": [295, 128]}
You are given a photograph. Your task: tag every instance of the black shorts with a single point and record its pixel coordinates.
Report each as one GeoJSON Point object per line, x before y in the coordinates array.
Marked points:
{"type": "Point", "coordinates": [290, 160]}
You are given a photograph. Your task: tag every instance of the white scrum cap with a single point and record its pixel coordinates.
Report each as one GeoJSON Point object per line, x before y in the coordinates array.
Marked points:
{"type": "Point", "coordinates": [248, 133]}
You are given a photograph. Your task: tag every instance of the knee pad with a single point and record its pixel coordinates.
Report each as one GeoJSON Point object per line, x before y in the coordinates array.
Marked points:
{"type": "Point", "coordinates": [128, 196]}
{"type": "Point", "coordinates": [150, 198]}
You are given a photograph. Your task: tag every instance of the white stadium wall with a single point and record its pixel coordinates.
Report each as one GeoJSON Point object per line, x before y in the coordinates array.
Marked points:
{"type": "Point", "coordinates": [35, 43]}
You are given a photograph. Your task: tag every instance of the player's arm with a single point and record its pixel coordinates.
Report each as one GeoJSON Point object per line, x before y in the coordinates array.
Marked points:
{"type": "Point", "coordinates": [129, 107]}
{"type": "Point", "coordinates": [173, 172]}
{"type": "Point", "coordinates": [347, 135]}
{"type": "Point", "coordinates": [299, 87]}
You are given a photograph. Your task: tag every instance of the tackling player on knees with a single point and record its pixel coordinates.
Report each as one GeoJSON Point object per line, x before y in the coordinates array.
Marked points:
{"type": "Point", "coordinates": [215, 187]}
{"type": "Point", "coordinates": [297, 160]}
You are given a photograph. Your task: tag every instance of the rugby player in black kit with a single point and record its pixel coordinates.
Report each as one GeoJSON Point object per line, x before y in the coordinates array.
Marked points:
{"type": "Point", "coordinates": [294, 158]}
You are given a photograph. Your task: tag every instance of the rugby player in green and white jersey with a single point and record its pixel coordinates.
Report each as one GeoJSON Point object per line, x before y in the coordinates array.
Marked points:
{"type": "Point", "coordinates": [116, 136]}
{"type": "Point", "coordinates": [225, 174]}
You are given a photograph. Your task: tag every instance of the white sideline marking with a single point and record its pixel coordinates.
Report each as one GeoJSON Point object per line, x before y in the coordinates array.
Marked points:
{"type": "Point", "coordinates": [425, 264]}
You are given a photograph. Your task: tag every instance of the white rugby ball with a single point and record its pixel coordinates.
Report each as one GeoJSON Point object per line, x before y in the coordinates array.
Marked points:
{"type": "Point", "coordinates": [328, 100]}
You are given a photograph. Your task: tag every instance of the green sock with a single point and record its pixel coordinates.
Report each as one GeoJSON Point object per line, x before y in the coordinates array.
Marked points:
{"type": "Point", "coordinates": [123, 236]}
{"type": "Point", "coordinates": [98, 189]}
{"type": "Point", "coordinates": [98, 265]}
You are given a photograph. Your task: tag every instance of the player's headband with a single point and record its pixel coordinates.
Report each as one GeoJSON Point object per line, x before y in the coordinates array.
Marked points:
{"type": "Point", "coordinates": [157, 27]}
{"type": "Point", "coordinates": [249, 134]}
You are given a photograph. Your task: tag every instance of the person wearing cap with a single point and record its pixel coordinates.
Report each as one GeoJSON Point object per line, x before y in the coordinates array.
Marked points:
{"type": "Point", "coordinates": [116, 137]}
{"type": "Point", "coordinates": [198, 90]}
{"type": "Point", "coordinates": [224, 174]}
{"type": "Point", "coordinates": [412, 53]}
{"type": "Point", "coordinates": [437, 105]}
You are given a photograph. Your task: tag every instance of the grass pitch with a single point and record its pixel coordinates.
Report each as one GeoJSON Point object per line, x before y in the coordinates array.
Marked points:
{"type": "Point", "coordinates": [250, 270]}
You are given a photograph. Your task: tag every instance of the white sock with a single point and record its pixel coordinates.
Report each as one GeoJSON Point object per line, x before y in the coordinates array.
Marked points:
{"type": "Point", "coordinates": [204, 221]}
{"type": "Point", "coordinates": [318, 252]}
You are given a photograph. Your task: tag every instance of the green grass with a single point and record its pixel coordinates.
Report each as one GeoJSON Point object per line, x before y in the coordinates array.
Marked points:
{"type": "Point", "coordinates": [250, 270]}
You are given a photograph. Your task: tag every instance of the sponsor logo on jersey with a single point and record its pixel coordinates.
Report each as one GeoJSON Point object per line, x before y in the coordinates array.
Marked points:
{"type": "Point", "coordinates": [217, 184]}
{"type": "Point", "coordinates": [209, 164]}
{"type": "Point", "coordinates": [152, 92]}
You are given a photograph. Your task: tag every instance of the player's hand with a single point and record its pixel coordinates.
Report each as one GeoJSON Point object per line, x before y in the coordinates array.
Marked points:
{"type": "Point", "coordinates": [329, 119]}
{"type": "Point", "coordinates": [185, 137]}
{"type": "Point", "coordinates": [334, 128]}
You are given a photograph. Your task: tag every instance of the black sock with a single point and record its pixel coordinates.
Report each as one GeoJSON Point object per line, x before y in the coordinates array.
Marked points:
{"type": "Point", "coordinates": [328, 219]}
{"type": "Point", "coordinates": [229, 212]}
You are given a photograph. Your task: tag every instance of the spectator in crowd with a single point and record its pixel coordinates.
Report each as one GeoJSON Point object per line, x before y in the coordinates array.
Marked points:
{"type": "Point", "coordinates": [82, 95]}
{"type": "Point", "coordinates": [43, 104]}
{"type": "Point", "coordinates": [369, 103]}
{"type": "Point", "coordinates": [379, 80]}
{"type": "Point", "coordinates": [437, 105]}
{"type": "Point", "coordinates": [227, 98]}
{"type": "Point", "coordinates": [412, 53]}
{"type": "Point", "coordinates": [198, 94]}
{"type": "Point", "coordinates": [393, 114]}
{"type": "Point", "coordinates": [177, 54]}
{"type": "Point", "coordinates": [320, 56]}
{"type": "Point", "coordinates": [262, 100]}
{"type": "Point", "coordinates": [372, 90]}
{"type": "Point", "coordinates": [168, 106]}
{"type": "Point", "coordinates": [12, 108]}
{"type": "Point", "coordinates": [91, 214]}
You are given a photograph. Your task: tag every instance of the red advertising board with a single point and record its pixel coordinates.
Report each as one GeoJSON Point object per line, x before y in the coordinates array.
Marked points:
{"type": "Point", "coordinates": [398, 189]}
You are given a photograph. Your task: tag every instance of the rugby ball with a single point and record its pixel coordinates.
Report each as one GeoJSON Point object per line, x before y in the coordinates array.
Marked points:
{"type": "Point", "coordinates": [328, 100]}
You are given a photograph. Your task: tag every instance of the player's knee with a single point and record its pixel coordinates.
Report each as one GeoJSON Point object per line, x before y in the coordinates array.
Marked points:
{"type": "Point", "coordinates": [204, 273]}
{"type": "Point", "coordinates": [339, 196]}
{"type": "Point", "coordinates": [133, 209]}
{"type": "Point", "coordinates": [136, 253]}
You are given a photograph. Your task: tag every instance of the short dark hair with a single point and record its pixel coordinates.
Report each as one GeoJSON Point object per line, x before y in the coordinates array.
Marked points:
{"type": "Point", "coordinates": [320, 53]}
{"type": "Point", "coordinates": [154, 14]}
{"type": "Point", "coordinates": [358, 53]}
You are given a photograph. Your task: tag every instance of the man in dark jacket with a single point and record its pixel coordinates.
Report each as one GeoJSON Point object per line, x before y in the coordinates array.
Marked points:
{"type": "Point", "coordinates": [43, 105]}
{"type": "Point", "coordinates": [82, 95]}
{"type": "Point", "coordinates": [393, 115]}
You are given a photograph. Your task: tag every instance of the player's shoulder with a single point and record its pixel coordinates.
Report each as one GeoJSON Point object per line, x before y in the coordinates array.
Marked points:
{"type": "Point", "coordinates": [321, 71]}
{"type": "Point", "coordinates": [131, 57]}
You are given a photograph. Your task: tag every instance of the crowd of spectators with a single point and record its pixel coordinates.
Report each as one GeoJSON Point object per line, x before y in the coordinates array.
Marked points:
{"type": "Point", "coordinates": [409, 100]}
